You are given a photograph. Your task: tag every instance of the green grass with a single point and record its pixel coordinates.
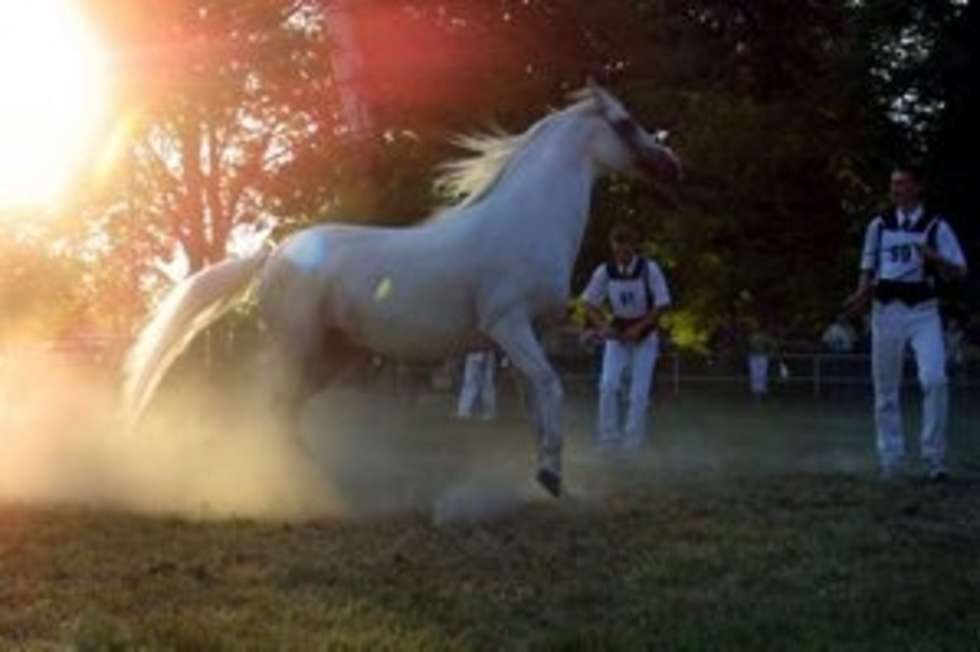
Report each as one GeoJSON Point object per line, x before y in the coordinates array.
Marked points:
{"type": "Point", "coordinates": [744, 528]}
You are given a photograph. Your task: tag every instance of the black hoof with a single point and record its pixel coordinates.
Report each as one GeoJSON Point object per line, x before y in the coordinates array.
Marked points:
{"type": "Point", "coordinates": [939, 477]}
{"type": "Point", "coordinates": [551, 481]}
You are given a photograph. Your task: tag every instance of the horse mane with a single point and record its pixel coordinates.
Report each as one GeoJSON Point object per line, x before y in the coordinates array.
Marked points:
{"type": "Point", "coordinates": [472, 178]}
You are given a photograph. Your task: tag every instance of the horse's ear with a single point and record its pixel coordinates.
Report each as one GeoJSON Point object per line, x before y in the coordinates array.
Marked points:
{"type": "Point", "coordinates": [608, 105]}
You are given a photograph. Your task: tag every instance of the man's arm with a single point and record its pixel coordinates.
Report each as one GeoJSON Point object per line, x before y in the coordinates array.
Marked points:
{"type": "Point", "coordinates": [859, 299]}
{"type": "Point", "coordinates": [946, 258]}
{"type": "Point", "coordinates": [593, 297]}
{"type": "Point", "coordinates": [946, 268]}
{"type": "Point", "coordinates": [595, 317]}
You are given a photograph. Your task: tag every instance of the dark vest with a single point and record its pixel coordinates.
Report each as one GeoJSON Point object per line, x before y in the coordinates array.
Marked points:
{"type": "Point", "coordinates": [896, 249]}
{"type": "Point", "coordinates": [640, 273]}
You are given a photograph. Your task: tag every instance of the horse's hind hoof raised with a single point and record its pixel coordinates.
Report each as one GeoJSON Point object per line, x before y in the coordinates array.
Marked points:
{"type": "Point", "coordinates": [551, 481]}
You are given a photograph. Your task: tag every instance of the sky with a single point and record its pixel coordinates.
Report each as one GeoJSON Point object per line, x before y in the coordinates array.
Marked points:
{"type": "Point", "coordinates": [54, 73]}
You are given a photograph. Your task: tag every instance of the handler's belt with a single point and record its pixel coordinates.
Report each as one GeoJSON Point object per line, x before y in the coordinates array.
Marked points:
{"type": "Point", "coordinates": [619, 325]}
{"type": "Point", "coordinates": [910, 294]}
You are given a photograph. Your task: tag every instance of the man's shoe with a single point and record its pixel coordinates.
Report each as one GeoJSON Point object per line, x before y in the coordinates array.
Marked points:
{"type": "Point", "coordinates": [938, 475]}
{"type": "Point", "coordinates": [551, 481]}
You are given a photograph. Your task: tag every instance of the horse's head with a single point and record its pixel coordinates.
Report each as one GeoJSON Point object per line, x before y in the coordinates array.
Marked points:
{"type": "Point", "coordinates": [625, 146]}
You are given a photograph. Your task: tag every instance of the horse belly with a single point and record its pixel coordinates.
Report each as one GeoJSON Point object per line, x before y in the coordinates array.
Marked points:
{"type": "Point", "coordinates": [416, 344]}
{"type": "Point", "coordinates": [386, 292]}
{"type": "Point", "coordinates": [402, 321]}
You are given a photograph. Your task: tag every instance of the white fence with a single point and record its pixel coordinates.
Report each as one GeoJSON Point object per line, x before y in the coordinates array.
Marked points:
{"type": "Point", "coordinates": [820, 375]}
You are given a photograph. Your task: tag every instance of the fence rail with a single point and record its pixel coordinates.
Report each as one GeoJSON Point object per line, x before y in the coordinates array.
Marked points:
{"type": "Point", "coordinates": [818, 374]}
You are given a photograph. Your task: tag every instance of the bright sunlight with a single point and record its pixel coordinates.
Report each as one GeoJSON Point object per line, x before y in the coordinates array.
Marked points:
{"type": "Point", "coordinates": [53, 78]}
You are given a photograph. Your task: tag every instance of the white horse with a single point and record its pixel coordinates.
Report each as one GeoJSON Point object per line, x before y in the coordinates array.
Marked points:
{"type": "Point", "coordinates": [487, 267]}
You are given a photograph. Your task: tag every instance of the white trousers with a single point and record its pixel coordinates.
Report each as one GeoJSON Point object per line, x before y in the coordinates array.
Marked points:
{"type": "Point", "coordinates": [759, 373]}
{"type": "Point", "coordinates": [478, 386]}
{"type": "Point", "coordinates": [640, 358]}
{"type": "Point", "coordinates": [893, 326]}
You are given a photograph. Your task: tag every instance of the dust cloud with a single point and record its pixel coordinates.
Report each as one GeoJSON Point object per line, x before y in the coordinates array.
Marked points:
{"type": "Point", "coordinates": [211, 452]}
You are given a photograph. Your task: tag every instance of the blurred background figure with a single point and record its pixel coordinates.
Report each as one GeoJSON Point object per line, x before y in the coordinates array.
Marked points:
{"type": "Point", "coordinates": [761, 348]}
{"type": "Point", "coordinates": [840, 336]}
{"type": "Point", "coordinates": [955, 342]}
{"type": "Point", "coordinates": [478, 394]}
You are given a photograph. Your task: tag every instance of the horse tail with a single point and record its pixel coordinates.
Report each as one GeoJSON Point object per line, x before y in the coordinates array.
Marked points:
{"type": "Point", "coordinates": [191, 306]}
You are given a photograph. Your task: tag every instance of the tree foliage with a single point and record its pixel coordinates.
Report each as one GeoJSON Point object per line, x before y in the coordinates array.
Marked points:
{"type": "Point", "coordinates": [787, 116]}
{"type": "Point", "coordinates": [218, 99]}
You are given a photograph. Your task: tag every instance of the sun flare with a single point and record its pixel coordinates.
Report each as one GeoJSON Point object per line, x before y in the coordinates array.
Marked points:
{"type": "Point", "coordinates": [53, 76]}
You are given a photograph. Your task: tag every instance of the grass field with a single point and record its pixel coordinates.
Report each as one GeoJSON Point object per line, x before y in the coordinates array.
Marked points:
{"type": "Point", "coordinates": [744, 527]}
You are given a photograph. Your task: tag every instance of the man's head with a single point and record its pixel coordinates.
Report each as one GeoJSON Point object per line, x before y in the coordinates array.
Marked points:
{"type": "Point", "coordinates": [623, 239]}
{"type": "Point", "coordinates": [906, 186]}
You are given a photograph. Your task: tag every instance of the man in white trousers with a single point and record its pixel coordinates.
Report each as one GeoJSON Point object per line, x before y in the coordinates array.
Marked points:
{"type": "Point", "coordinates": [762, 348]}
{"type": "Point", "coordinates": [636, 292]}
{"type": "Point", "coordinates": [908, 250]}
{"type": "Point", "coordinates": [478, 386]}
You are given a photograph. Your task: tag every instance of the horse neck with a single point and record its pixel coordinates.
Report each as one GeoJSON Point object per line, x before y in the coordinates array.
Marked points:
{"type": "Point", "coordinates": [549, 192]}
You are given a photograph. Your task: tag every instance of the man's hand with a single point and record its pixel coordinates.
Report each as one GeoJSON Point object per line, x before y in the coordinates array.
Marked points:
{"type": "Point", "coordinates": [858, 300]}
{"type": "Point", "coordinates": [943, 267]}
{"type": "Point", "coordinates": [635, 332]}
{"type": "Point", "coordinates": [861, 297]}
{"type": "Point", "coordinates": [929, 254]}
{"type": "Point", "coordinates": [593, 336]}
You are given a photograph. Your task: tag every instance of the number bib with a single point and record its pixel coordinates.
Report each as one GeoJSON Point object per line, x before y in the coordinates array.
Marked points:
{"type": "Point", "coordinates": [899, 259]}
{"type": "Point", "coordinates": [628, 297]}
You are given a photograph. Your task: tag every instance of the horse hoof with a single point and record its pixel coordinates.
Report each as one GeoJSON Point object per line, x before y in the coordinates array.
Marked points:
{"type": "Point", "coordinates": [551, 481]}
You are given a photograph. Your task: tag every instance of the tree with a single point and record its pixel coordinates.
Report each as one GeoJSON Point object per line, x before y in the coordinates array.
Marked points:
{"type": "Point", "coordinates": [43, 292]}
{"type": "Point", "coordinates": [770, 108]}
{"type": "Point", "coordinates": [922, 63]}
{"type": "Point", "coordinates": [219, 98]}
{"type": "Point", "coordinates": [785, 117]}
{"type": "Point", "coordinates": [955, 139]}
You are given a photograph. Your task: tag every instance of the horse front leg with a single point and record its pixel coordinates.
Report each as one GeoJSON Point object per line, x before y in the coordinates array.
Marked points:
{"type": "Point", "coordinates": [516, 337]}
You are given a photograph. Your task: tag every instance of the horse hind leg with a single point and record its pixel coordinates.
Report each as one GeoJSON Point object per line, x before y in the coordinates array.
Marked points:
{"type": "Point", "coordinates": [311, 369]}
